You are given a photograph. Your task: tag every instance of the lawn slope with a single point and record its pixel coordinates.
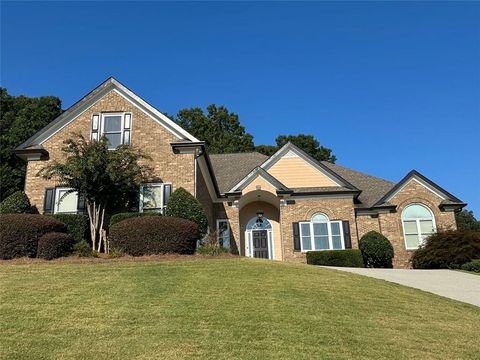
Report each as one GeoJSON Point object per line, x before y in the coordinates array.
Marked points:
{"type": "Point", "coordinates": [222, 308]}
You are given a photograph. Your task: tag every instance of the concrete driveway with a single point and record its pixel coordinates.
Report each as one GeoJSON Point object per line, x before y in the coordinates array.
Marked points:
{"type": "Point", "coordinates": [448, 283]}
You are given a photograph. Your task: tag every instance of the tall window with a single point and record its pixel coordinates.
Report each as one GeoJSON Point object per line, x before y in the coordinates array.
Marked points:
{"type": "Point", "coordinates": [154, 197]}
{"type": "Point", "coordinates": [223, 233]}
{"type": "Point", "coordinates": [116, 127]}
{"type": "Point", "coordinates": [418, 223]}
{"type": "Point", "coordinates": [321, 234]}
{"type": "Point", "coordinates": [65, 201]}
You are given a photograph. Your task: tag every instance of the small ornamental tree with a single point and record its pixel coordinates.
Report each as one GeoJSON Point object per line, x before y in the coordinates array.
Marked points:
{"type": "Point", "coordinates": [376, 250]}
{"type": "Point", "coordinates": [16, 203]}
{"type": "Point", "coordinates": [105, 178]}
{"type": "Point", "coordinates": [184, 205]}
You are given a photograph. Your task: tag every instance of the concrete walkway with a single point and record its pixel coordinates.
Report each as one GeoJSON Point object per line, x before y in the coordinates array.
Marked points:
{"type": "Point", "coordinates": [448, 283]}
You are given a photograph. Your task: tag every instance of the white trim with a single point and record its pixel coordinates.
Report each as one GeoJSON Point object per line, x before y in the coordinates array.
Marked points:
{"type": "Point", "coordinates": [330, 234]}
{"type": "Point", "coordinates": [57, 201]}
{"type": "Point", "coordinates": [421, 182]}
{"type": "Point", "coordinates": [417, 223]}
{"type": "Point", "coordinates": [161, 209]}
{"type": "Point", "coordinates": [101, 130]}
{"type": "Point", "coordinates": [228, 229]}
{"type": "Point", "coordinates": [270, 240]}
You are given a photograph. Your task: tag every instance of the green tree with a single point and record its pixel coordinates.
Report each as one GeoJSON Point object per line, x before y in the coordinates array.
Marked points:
{"type": "Point", "coordinates": [307, 143]}
{"type": "Point", "coordinates": [20, 118]}
{"type": "Point", "coordinates": [105, 178]}
{"type": "Point", "coordinates": [466, 221]}
{"type": "Point", "coordinates": [219, 128]}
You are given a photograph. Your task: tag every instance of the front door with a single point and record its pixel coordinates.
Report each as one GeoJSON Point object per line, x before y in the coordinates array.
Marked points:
{"type": "Point", "coordinates": [260, 244]}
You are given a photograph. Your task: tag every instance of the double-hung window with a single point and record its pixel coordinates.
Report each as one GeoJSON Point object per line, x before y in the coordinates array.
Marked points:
{"type": "Point", "coordinates": [223, 233]}
{"type": "Point", "coordinates": [418, 223]}
{"type": "Point", "coordinates": [116, 127]}
{"type": "Point", "coordinates": [321, 234]}
{"type": "Point", "coordinates": [154, 197]}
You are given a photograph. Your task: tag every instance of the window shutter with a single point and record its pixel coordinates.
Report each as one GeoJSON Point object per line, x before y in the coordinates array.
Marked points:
{"type": "Point", "coordinates": [49, 201]}
{"type": "Point", "coordinates": [81, 204]}
{"type": "Point", "coordinates": [167, 191]}
{"type": "Point", "coordinates": [127, 128]}
{"type": "Point", "coordinates": [296, 237]}
{"type": "Point", "coordinates": [95, 126]}
{"type": "Point", "coordinates": [346, 235]}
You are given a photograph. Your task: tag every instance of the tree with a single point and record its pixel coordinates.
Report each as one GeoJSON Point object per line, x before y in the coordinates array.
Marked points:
{"type": "Point", "coordinates": [307, 143]}
{"type": "Point", "coordinates": [220, 129]}
{"type": "Point", "coordinates": [466, 221]}
{"type": "Point", "coordinates": [20, 118]}
{"type": "Point", "coordinates": [104, 178]}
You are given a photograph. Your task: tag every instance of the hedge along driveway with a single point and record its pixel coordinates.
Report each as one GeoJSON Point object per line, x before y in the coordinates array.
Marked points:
{"type": "Point", "coordinates": [455, 285]}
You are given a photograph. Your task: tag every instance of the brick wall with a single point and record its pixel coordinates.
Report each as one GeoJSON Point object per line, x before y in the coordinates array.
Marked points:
{"type": "Point", "coordinates": [205, 199]}
{"type": "Point", "coordinates": [147, 134]}
{"type": "Point", "coordinates": [302, 210]}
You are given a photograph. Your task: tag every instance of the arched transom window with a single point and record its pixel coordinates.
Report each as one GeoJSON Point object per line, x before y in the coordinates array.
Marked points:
{"type": "Point", "coordinates": [321, 234]}
{"type": "Point", "coordinates": [418, 223]}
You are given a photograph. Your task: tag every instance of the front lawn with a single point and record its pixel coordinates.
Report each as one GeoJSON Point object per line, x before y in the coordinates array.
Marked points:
{"type": "Point", "coordinates": [222, 308]}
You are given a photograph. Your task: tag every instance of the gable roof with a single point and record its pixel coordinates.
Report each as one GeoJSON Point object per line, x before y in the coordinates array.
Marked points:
{"type": "Point", "coordinates": [92, 97]}
{"type": "Point", "coordinates": [230, 169]}
{"type": "Point", "coordinates": [258, 171]}
{"type": "Point", "coordinates": [373, 188]}
{"type": "Point", "coordinates": [289, 147]}
{"type": "Point", "coordinates": [447, 198]}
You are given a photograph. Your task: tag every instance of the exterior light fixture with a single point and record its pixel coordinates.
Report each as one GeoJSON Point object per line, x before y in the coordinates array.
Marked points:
{"type": "Point", "coordinates": [259, 217]}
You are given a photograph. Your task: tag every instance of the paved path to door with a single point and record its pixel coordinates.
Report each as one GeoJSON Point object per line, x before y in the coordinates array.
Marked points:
{"type": "Point", "coordinates": [448, 283]}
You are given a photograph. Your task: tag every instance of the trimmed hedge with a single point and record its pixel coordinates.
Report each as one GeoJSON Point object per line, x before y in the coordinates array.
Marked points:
{"type": "Point", "coordinates": [376, 250]}
{"type": "Point", "coordinates": [19, 233]}
{"type": "Point", "coordinates": [78, 225]}
{"type": "Point", "coordinates": [54, 245]}
{"type": "Point", "coordinates": [184, 205]}
{"type": "Point", "coordinates": [349, 258]}
{"type": "Point", "coordinates": [447, 249]}
{"type": "Point", "coordinates": [473, 265]}
{"type": "Point", "coordinates": [127, 215]}
{"type": "Point", "coordinates": [154, 235]}
{"type": "Point", "coordinates": [17, 203]}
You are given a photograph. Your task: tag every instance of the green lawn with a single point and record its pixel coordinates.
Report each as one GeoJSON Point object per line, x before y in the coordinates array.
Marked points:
{"type": "Point", "coordinates": [222, 308]}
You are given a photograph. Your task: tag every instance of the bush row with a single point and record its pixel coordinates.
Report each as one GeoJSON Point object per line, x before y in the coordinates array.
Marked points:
{"type": "Point", "coordinates": [349, 258]}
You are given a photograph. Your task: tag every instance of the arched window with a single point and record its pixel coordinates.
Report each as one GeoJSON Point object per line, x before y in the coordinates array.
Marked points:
{"type": "Point", "coordinates": [255, 224]}
{"type": "Point", "coordinates": [321, 234]}
{"type": "Point", "coordinates": [418, 223]}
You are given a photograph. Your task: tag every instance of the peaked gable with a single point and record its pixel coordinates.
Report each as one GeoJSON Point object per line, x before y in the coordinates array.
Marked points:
{"type": "Point", "coordinates": [90, 99]}
{"type": "Point", "coordinates": [414, 175]}
{"type": "Point", "coordinates": [259, 177]}
{"type": "Point", "coordinates": [297, 169]}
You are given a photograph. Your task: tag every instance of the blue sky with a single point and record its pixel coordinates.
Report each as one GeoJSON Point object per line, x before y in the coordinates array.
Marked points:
{"type": "Point", "coordinates": [388, 86]}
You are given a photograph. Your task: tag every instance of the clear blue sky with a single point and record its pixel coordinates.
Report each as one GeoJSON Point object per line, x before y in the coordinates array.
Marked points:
{"type": "Point", "coordinates": [388, 86]}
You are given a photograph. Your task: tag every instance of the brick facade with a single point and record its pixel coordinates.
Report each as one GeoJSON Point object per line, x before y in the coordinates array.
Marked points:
{"type": "Point", "coordinates": [147, 135]}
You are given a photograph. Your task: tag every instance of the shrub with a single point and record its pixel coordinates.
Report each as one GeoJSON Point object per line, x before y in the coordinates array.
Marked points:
{"type": "Point", "coordinates": [473, 265]}
{"type": "Point", "coordinates": [211, 246]}
{"type": "Point", "coordinates": [447, 249]}
{"type": "Point", "coordinates": [82, 249]}
{"type": "Point", "coordinates": [376, 250]}
{"type": "Point", "coordinates": [127, 215]}
{"type": "Point", "coordinates": [54, 245]}
{"type": "Point", "coordinates": [349, 257]}
{"type": "Point", "coordinates": [183, 205]}
{"type": "Point", "coordinates": [19, 233]}
{"type": "Point", "coordinates": [16, 203]}
{"type": "Point", "coordinates": [116, 253]}
{"type": "Point", "coordinates": [78, 225]}
{"type": "Point", "coordinates": [156, 235]}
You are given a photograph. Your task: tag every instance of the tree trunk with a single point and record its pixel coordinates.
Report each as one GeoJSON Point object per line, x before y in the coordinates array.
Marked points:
{"type": "Point", "coordinates": [96, 215]}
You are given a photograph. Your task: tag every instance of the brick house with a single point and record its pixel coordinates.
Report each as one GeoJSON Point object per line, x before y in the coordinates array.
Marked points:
{"type": "Point", "coordinates": [276, 207]}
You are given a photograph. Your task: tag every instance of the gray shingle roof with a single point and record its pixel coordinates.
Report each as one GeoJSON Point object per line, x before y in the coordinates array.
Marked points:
{"type": "Point", "coordinates": [373, 188]}
{"type": "Point", "coordinates": [230, 169]}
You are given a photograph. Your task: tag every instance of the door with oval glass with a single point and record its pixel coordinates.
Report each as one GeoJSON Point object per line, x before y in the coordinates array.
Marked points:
{"type": "Point", "coordinates": [260, 244]}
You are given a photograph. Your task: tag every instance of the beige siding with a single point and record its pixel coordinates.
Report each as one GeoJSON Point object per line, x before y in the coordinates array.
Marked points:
{"type": "Point", "coordinates": [295, 172]}
{"type": "Point", "coordinates": [262, 182]}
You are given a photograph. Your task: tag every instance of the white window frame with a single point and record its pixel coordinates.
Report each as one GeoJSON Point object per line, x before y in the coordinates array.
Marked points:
{"type": "Point", "coordinates": [417, 223]}
{"type": "Point", "coordinates": [162, 200]}
{"type": "Point", "coordinates": [221, 240]}
{"type": "Point", "coordinates": [57, 201]}
{"type": "Point", "coordinates": [122, 129]}
{"type": "Point", "coordinates": [330, 235]}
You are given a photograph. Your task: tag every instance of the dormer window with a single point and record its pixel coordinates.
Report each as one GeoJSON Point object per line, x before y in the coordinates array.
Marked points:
{"type": "Point", "coordinates": [116, 127]}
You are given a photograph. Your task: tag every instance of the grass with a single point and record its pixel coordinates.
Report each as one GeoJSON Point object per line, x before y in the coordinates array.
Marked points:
{"type": "Point", "coordinates": [225, 309]}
